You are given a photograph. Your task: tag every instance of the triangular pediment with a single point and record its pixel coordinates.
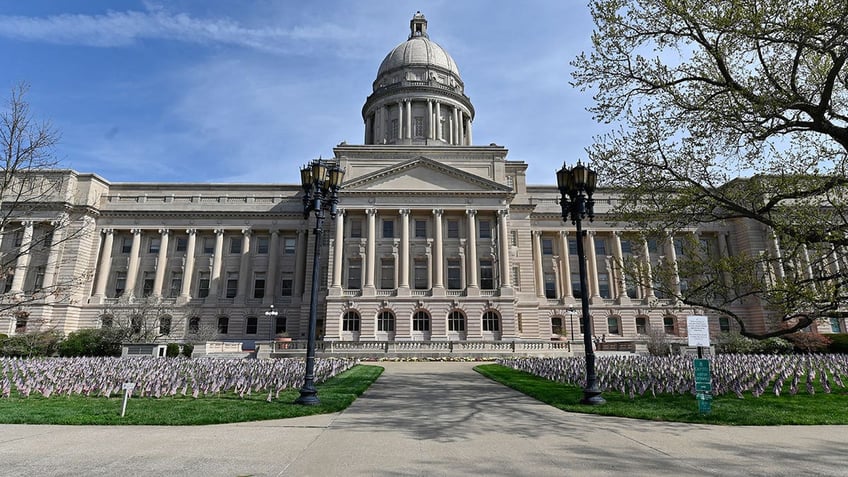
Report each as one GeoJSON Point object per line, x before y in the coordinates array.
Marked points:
{"type": "Point", "coordinates": [423, 175]}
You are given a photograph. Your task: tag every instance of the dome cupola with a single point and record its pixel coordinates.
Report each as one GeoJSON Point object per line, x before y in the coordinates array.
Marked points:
{"type": "Point", "coordinates": [418, 96]}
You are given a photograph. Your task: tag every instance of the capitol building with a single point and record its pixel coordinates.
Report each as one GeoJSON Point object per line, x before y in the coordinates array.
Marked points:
{"type": "Point", "coordinates": [437, 239]}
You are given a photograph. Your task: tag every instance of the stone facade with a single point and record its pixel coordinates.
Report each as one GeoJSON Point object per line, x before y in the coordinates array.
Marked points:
{"type": "Point", "coordinates": [437, 240]}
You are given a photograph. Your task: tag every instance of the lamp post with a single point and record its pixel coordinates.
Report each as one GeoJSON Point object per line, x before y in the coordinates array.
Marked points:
{"type": "Point", "coordinates": [321, 183]}
{"type": "Point", "coordinates": [576, 186]}
{"type": "Point", "coordinates": [272, 321]}
{"type": "Point", "coordinates": [571, 320]}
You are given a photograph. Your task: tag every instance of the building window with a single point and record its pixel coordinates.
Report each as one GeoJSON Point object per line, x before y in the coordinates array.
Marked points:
{"type": "Point", "coordinates": [575, 285]}
{"type": "Point", "coordinates": [208, 246]}
{"type": "Point", "coordinates": [626, 247]}
{"type": "Point", "coordinates": [668, 324]}
{"type": "Point", "coordinates": [176, 284]}
{"type": "Point", "coordinates": [678, 246]}
{"type": "Point", "coordinates": [155, 244]}
{"type": "Point", "coordinates": [835, 325]}
{"type": "Point", "coordinates": [235, 245]}
{"type": "Point", "coordinates": [147, 284]}
{"type": "Point", "coordinates": [386, 321]}
{"type": "Point", "coordinates": [421, 321]}
{"type": "Point", "coordinates": [487, 274]}
{"type": "Point", "coordinates": [556, 325]}
{"type": "Point", "coordinates": [580, 321]}
{"type": "Point", "coordinates": [354, 273]}
{"type": "Point", "coordinates": [420, 229]}
{"type": "Point", "coordinates": [600, 247]}
{"type": "Point", "coordinates": [453, 229]}
{"type": "Point", "coordinates": [547, 246]}
{"type": "Point", "coordinates": [19, 238]}
{"type": "Point", "coordinates": [388, 228]}
{"type": "Point", "coordinates": [194, 325]}
{"type": "Point", "coordinates": [491, 321]}
{"type": "Point", "coordinates": [516, 278]}
{"type": "Point", "coordinates": [21, 319]}
{"type": "Point", "coordinates": [572, 246]}
{"type": "Point", "coordinates": [280, 325]}
{"type": "Point", "coordinates": [724, 324]}
{"type": "Point", "coordinates": [604, 285]}
{"type": "Point", "coordinates": [420, 273]}
{"type": "Point", "coordinates": [165, 325]}
{"type": "Point", "coordinates": [202, 284]}
{"type": "Point", "coordinates": [513, 238]}
{"type": "Point", "coordinates": [126, 245]}
{"type": "Point", "coordinates": [10, 278]}
{"type": "Point", "coordinates": [286, 287]}
{"type": "Point", "coordinates": [387, 273]}
{"type": "Point", "coordinates": [232, 284]}
{"type": "Point", "coordinates": [454, 274]}
{"type": "Point", "coordinates": [262, 245]}
{"type": "Point", "coordinates": [355, 228]}
{"type": "Point", "coordinates": [289, 245]}
{"type": "Point", "coordinates": [251, 325]}
{"type": "Point", "coordinates": [456, 321]}
{"type": "Point", "coordinates": [641, 325]}
{"type": "Point", "coordinates": [395, 129]}
{"type": "Point", "coordinates": [652, 245]}
{"type": "Point", "coordinates": [223, 325]}
{"type": "Point", "coordinates": [181, 245]}
{"type": "Point", "coordinates": [550, 285]}
{"type": "Point", "coordinates": [39, 278]}
{"type": "Point", "coordinates": [613, 325]}
{"type": "Point", "coordinates": [418, 126]}
{"type": "Point", "coordinates": [259, 285]}
{"type": "Point", "coordinates": [350, 321]}
{"type": "Point", "coordinates": [485, 229]}
{"type": "Point", "coordinates": [136, 324]}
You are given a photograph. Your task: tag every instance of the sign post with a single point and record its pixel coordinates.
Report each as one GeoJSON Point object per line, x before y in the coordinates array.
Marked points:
{"type": "Point", "coordinates": [699, 335]}
{"type": "Point", "coordinates": [128, 390]}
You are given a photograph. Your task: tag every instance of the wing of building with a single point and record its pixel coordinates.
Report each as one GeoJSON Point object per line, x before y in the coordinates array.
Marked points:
{"type": "Point", "coordinates": [437, 239]}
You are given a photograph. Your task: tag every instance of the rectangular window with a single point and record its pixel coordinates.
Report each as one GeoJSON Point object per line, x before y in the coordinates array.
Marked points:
{"type": "Point", "coordinates": [120, 283]}
{"type": "Point", "coordinates": [513, 238]}
{"type": "Point", "coordinates": [575, 285]}
{"type": "Point", "coordinates": [181, 245]}
{"type": "Point", "coordinates": [289, 245]}
{"type": "Point", "coordinates": [126, 245]}
{"type": "Point", "coordinates": [652, 245]}
{"type": "Point", "coordinates": [385, 322]}
{"type": "Point", "coordinates": [208, 246]}
{"type": "Point", "coordinates": [387, 273]}
{"type": "Point", "coordinates": [547, 246]}
{"type": "Point", "coordinates": [251, 325]}
{"type": "Point", "coordinates": [454, 275]}
{"type": "Point", "coordinates": [10, 278]}
{"type": "Point", "coordinates": [626, 247]}
{"type": "Point", "coordinates": [262, 245]}
{"type": "Point", "coordinates": [202, 284]}
{"type": "Point", "coordinates": [678, 246]}
{"type": "Point", "coordinates": [19, 238]}
{"type": "Point", "coordinates": [235, 245]}
{"type": "Point", "coordinates": [453, 229]}
{"type": "Point", "coordinates": [286, 286]}
{"type": "Point", "coordinates": [420, 229]}
{"type": "Point", "coordinates": [259, 285]}
{"type": "Point", "coordinates": [724, 324]}
{"type": "Point", "coordinates": [550, 286]}
{"type": "Point", "coordinates": [600, 247]}
{"type": "Point", "coordinates": [604, 285]}
{"type": "Point", "coordinates": [835, 326]}
{"type": "Point", "coordinates": [395, 130]}
{"type": "Point", "coordinates": [418, 126]}
{"type": "Point", "coordinates": [388, 228]}
{"type": "Point", "coordinates": [572, 246]}
{"type": "Point", "coordinates": [223, 325]}
{"type": "Point", "coordinates": [155, 243]}
{"type": "Point", "coordinates": [456, 322]}
{"type": "Point", "coordinates": [420, 273]}
{"type": "Point", "coordinates": [612, 325]}
{"type": "Point", "coordinates": [147, 284]}
{"type": "Point", "coordinates": [354, 274]}
{"type": "Point", "coordinates": [176, 284]}
{"type": "Point", "coordinates": [487, 275]}
{"type": "Point", "coordinates": [280, 325]}
{"type": "Point", "coordinates": [355, 228]}
{"type": "Point", "coordinates": [485, 229]}
{"type": "Point", "coordinates": [39, 278]}
{"type": "Point", "coordinates": [232, 284]}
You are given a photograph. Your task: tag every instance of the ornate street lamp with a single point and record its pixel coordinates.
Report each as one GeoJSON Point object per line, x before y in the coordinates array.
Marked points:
{"type": "Point", "coordinates": [272, 320]}
{"type": "Point", "coordinates": [321, 183]}
{"type": "Point", "coordinates": [576, 186]}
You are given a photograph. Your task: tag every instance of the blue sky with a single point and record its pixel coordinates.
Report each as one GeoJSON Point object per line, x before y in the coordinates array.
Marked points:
{"type": "Point", "coordinates": [247, 91]}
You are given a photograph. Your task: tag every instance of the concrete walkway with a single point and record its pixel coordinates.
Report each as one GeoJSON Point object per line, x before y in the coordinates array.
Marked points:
{"type": "Point", "coordinates": [427, 419]}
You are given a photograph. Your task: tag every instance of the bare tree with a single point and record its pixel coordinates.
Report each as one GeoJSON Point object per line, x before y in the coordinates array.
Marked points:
{"type": "Point", "coordinates": [149, 320]}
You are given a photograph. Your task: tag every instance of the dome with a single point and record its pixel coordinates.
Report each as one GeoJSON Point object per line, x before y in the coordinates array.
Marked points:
{"type": "Point", "coordinates": [418, 51]}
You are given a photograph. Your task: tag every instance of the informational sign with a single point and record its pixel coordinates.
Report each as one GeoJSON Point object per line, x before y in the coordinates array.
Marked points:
{"type": "Point", "coordinates": [698, 328]}
{"type": "Point", "coordinates": [703, 385]}
{"type": "Point", "coordinates": [704, 403]}
{"type": "Point", "coordinates": [128, 390]}
{"type": "Point", "coordinates": [129, 387]}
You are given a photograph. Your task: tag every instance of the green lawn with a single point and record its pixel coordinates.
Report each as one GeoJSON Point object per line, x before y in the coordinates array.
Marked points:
{"type": "Point", "coordinates": [729, 410]}
{"type": "Point", "coordinates": [335, 395]}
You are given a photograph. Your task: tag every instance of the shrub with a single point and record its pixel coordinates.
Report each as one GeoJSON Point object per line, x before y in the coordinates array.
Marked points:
{"type": "Point", "coordinates": [658, 344]}
{"type": "Point", "coordinates": [773, 346]}
{"type": "Point", "coordinates": [188, 348]}
{"type": "Point", "coordinates": [92, 342]}
{"type": "Point", "coordinates": [809, 342]}
{"type": "Point", "coordinates": [36, 343]}
{"type": "Point", "coordinates": [734, 343]}
{"type": "Point", "coordinates": [838, 343]}
{"type": "Point", "coordinates": [173, 350]}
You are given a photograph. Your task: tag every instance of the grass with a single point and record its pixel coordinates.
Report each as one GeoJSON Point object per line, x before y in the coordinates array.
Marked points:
{"type": "Point", "coordinates": [335, 395]}
{"type": "Point", "coordinates": [768, 409]}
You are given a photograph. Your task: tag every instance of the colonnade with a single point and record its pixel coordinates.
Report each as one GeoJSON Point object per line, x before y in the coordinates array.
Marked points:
{"type": "Point", "coordinates": [458, 131]}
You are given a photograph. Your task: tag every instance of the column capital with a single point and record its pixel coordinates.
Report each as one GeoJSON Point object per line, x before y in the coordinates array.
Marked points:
{"type": "Point", "coordinates": [60, 221]}
{"type": "Point", "coordinates": [274, 231]}
{"type": "Point", "coordinates": [536, 233]}
{"type": "Point", "coordinates": [403, 211]}
{"type": "Point", "coordinates": [503, 213]}
{"type": "Point", "coordinates": [108, 231]}
{"type": "Point", "coordinates": [563, 233]}
{"type": "Point", "coordinates": [616, 233]}
{"type": "Point", "coordinates": [438, 212]}
{"type": "Point", "coordinates": [135, 231]}
{"type": "Point", "coordinates": [247, 231]}
{"type": "Point", "coordinates": [301, 232]}
{"type": "Point", "coordinates": [27, 223]}
{"type": "Point", "coordinates": [340, 212]}
{"type": "Point", "coordinates": [191, 231]}
{"type": "Point", "coordinates": [219, 231]}
{"type": "Point", "coordinates": [471, 212]}
{"type": "Point", "coordinates": [164, 231]}
{"type": "Point", "coordinates": [372, 211]}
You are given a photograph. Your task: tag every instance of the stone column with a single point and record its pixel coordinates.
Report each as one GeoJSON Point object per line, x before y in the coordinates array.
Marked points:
{"type": "Point", "coordinates": [51, 267]}
{"type": "Point", "coordinates": [400, 121]}
{"type": "Point", "coordinates": [537, 263]}
{"type": "Point", "coordinates": [217, 263]}
{"type": "Point", "coordinates": [22, 262]}
{"type": "Point", "coordinates": [774, 244]}
{"type": "Point", "coordinates": [338, 250]}
{"type": "Point", "coordinates": [648, 277]}
{"type": "Point", "coordinates": [371, 249]}
{"type": "Point", "coordinates": [369, 125]}
{"type": "Point", "coordinates": [805, 256]}
{"type": "Point", "coordinates": [455, 129]}
{"type": "Point", "coordinates": [438, 121]}
{"type": "Point", "coordinates": [468, 129]}
{"type": "Point", "coordinates": [438, 259]}
{"type": "Point", "coordinates": [565, 265]}
{"type": "Point", "coordinates": [431, 131]}
{"type": "Point", "coordinates": [592, 263]}
{"type": "Point", "coordinates": [618, 268]}
{"type": "Point", "coordinates": [461, 125]}
{"type": "Point", "coordinates": [300, 263]}
{"type": "Point", "coordinates": [105, 263]}
{"type": "Point", "coordinates": [404, 249]}
{"type": "Point", "coordinates": [671, 254]}
{"type": "Point", "coordinates": [161, 263]}
{"type": "Point", "coordinates": [451, 128]}
{"type": "Point", "coordinates": [132, 268]}
{"type": "Point", "coordinates": [272, 272]}
{"type": "Point", "coordinates": [472, 248]}
{"type": "Point", "coordinates": [384, 121]}
{"type": "Point", "coordinates": [188, 270]}
{"type": "Point", "coordinates": [503, 241]}
{"type": "Point", "coordinates": [408, 119]}
{"type": "Point", "coordinates": [244, 266]}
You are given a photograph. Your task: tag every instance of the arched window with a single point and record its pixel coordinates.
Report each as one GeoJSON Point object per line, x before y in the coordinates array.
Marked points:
{"type": "Point", "coordinates": [613, 325]}
{"type": "Point", "coordinates": [251, 325]}
{"type": "Point", "coordinates": [165, 325]}
{"type": "Point", "coordinates": [194, 324]}
{"type": "Point", "coordinates": [106, 321]}
{"type": "Point", "coordinates": [491, 321]}
{"type": "Point", "coordinates": [456, 321]}
{"type": "Point", "coordinates": [223, 325]}
{"type": "Point", "coordinates": [421, 321]}
{"type": "Point", "coordinates": [350, 321]}
{"type": "Point", "coordinates": [669, 324]}
{"type": "Point", "coordinates": [556, 325]}
{"type": "Point", "coordinates": [642, 325]}
{"type": "Point", "coordinates": [386, 321]}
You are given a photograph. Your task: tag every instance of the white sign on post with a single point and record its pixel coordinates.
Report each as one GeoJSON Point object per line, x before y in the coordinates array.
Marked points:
{"type": "Point", "coordinates": [698, 328]}
{"type": "Point", "coordinates": [128, 390]}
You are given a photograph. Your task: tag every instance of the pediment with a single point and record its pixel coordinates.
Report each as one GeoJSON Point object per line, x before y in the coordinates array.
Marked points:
{"type": "Point", "coordinates": [423, 175]}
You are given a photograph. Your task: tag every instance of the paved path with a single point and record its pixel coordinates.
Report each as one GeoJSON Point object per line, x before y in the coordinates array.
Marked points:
{"type": "Point", "coordinates": [427, 419]}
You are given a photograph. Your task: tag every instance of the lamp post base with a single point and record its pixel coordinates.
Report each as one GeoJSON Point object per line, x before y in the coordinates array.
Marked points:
{"type": "Point", "coordinates": [592, 397]}
{"type": "Point", "coordinates": [308, 396]}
